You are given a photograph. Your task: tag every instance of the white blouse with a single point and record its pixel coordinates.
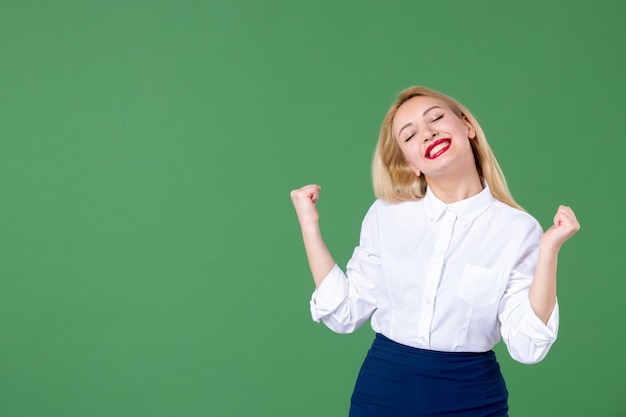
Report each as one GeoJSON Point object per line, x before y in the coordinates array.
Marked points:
{"type": "Point", "coordinates": [444, 277]}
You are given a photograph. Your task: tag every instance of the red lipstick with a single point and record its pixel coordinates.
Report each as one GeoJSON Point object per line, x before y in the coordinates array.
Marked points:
{"type": "Point", "coordinates": [441, 145]}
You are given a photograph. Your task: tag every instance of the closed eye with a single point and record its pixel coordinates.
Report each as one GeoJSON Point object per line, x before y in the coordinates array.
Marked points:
{"type": "Point", "coordinates": [437, 118]}
{"type": "Point", "coordinates": [409, 138]}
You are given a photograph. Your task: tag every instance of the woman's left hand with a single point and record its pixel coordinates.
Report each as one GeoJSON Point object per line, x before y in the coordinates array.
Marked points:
{"type": "Point", "coordinates": [565, 226]}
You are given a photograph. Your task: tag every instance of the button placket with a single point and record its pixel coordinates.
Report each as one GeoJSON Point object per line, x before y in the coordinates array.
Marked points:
{"type": "Point", "coordinates": [433, 277]}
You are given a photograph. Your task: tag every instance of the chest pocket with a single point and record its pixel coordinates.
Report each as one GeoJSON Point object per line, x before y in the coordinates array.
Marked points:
{"type": "Point", "coordinates": [480, 286]}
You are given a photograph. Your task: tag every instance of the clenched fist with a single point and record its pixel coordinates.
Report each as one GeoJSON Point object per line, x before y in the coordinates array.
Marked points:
{"type": "Point", "coordinates": [304, 200]}
{"type": "Point", "coordinates": [565, 226]}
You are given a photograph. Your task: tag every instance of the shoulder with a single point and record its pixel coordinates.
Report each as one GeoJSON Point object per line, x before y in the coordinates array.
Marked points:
{"type": "Point", "coordinates": [390, 217]}
{"type": "Point", "coordinates": [394, 212]}
{"type": "Point", "coordinates": [515, 219]}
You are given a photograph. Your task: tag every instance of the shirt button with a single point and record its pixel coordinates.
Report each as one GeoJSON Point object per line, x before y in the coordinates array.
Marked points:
{"type": "Point", "coordinates": [428, 302]}
{"type": "Point", "coordinates": [432, 219]}
{"type": "Point", "coordinates": [422, 339]}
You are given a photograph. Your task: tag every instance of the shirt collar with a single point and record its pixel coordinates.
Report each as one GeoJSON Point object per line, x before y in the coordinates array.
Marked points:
{"type": "Point", "coordinates": [466, 210]}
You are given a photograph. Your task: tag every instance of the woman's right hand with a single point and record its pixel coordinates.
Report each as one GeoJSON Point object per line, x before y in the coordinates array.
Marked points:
{"type": "Point", "coordinates": [304, 200]}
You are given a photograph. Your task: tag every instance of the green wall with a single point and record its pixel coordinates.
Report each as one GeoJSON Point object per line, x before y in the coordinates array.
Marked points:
{"type": "Point", "coordinates": [150, 259]}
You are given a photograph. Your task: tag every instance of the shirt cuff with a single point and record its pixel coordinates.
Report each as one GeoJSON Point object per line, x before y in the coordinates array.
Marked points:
{"type": "Point", "coordinates": [329, 295]}
{"type": "Point", "coordinates": [536, 329]}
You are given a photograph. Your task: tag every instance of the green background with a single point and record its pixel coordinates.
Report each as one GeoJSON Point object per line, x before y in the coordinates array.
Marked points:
{"type": "Point", "coordinates": [151, 263]}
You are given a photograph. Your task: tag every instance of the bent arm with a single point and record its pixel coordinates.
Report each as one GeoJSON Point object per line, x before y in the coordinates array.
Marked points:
{"type": "Point", "coordinates": [344, 301]}
{"type": "Point", "coordinates": [320, 260]}
{"type": "Point", "coordinates": [542, 292]}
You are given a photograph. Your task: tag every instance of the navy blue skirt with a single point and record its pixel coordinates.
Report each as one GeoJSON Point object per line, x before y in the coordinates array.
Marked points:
{"type": "Point", "coordinates": [397, 381]}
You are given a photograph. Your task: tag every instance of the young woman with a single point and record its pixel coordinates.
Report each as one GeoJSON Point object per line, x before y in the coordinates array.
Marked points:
{"type": "Point", "coordinates": [446, 265]}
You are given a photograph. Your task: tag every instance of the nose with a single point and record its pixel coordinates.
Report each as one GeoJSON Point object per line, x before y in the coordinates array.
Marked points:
{"type": "Point", "coordinates": [429, 134]}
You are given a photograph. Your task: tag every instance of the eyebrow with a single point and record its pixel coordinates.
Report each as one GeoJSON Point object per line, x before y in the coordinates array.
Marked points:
{"type": "Point", "coordinates": [423, 114]}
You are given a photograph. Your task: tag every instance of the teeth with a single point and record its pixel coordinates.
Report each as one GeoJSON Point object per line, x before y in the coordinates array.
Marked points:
{"type": "Point", "coordinates": [437, 148]}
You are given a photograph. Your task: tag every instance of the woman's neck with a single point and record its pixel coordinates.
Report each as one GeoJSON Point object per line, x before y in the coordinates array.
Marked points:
{"type": "Point", "coordinates": [451, 190]}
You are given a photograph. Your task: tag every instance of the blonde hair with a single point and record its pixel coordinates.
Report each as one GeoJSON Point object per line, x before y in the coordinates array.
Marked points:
{"type": "Point", "coordinates": [395, 181]}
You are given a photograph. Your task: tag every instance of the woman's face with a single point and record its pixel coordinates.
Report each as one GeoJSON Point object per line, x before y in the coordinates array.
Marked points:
{"type": "Point", "coordinates": [433, 140]}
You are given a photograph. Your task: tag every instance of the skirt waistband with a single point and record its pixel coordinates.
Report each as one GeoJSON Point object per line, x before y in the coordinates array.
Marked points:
{"type": "Point", "coordinates": [384, 342]}
{"type": "Point", "coordinates": [461, 365]}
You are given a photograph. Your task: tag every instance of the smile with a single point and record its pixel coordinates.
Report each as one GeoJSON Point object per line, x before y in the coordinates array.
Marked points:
{"type": "Point", "coordinates": [437, 148]}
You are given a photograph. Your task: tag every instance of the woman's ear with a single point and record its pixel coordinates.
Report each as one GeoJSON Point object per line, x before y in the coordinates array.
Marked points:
{"type": "Point", "coordinates": [471, 133]}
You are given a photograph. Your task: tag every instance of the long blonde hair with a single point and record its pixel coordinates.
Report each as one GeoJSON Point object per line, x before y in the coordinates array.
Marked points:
{"type": "Point", "coordinates": [395, 181]}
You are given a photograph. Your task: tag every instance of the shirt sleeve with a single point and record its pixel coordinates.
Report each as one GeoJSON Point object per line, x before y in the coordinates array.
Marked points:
{"type": "Point", "coordinates": [527, 338]}
{"type": "Point", "coordinates": [344, 301]}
